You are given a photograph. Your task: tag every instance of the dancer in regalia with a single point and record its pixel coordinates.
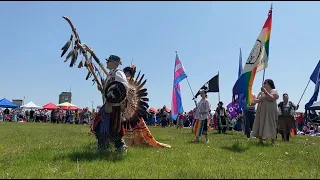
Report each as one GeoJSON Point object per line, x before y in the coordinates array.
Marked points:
{"type": "Point", "coordinates": [123, 100]}
{"type": "Point", "coordinates": [110, 127]}
{"type": "Point", "coordinates": [125, 103]}
{"type": "Point", "coordinates": [139, 134]}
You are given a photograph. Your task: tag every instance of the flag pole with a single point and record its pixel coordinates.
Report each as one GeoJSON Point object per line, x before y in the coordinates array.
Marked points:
{"type": "Point", "coordinates": [264, 70]}
{"type": "Point", "coordinates": [219, 87]}
{"type": "Point", "coordinates": [304, 91]}
{"type": "Point", "coordinates": [189, 84]}
{"type": "Point", "coordinates": [194, 99]}
{"type": "Point", "coordinates": [190, 88]}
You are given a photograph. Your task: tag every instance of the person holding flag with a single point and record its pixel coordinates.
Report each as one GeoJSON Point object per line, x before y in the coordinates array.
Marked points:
{"type": "Point", "coordinates": [265, 123]}
{"type": "Point", "coordinates": [201, 115]}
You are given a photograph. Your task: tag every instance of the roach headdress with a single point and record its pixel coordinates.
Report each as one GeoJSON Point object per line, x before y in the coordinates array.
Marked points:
{"type": "Point", "coordinates": [131, 69]}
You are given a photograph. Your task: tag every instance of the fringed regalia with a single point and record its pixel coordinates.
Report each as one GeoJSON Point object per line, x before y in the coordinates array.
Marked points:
{"type": "Point", "coordinates": [125, 101]}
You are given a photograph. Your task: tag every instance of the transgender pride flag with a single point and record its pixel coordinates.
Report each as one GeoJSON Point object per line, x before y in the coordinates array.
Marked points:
{"type": "Point", "coordinates": [179, 75]}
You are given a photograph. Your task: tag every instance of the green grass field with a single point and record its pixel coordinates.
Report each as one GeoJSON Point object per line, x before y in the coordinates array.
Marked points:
{"type": "Point", "coordinates": [38, 150]}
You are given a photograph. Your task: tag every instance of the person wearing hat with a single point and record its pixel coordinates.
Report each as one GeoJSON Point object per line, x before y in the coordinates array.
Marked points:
{"type": "Point", "coordinates": [109, 125]}
{"type": "Point", "coordinates": [201, 117]}
{"type": "Point", "coordinates": [222, 118]}
{"type": "Point", "coordinates": [115, 73]}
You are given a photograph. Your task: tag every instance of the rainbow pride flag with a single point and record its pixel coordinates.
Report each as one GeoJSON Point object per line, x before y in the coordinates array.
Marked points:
{"type": "Point", "coordinates": [257, 61]}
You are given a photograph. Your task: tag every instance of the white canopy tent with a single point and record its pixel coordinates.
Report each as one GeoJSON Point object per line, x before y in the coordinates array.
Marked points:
{"type": "Point", "coordinates": [31, 105]}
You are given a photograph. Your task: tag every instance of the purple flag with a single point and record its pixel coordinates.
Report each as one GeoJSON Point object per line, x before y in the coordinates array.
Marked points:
{"type": "Point", "coordinates": [233, 109]}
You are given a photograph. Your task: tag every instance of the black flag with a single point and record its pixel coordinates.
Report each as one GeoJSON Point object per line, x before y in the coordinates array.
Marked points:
{"type": "Point", "coordinates": [211, 86]}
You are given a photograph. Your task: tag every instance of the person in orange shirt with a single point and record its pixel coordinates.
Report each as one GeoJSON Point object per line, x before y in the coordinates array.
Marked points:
{"type": "Point", "coordinates": [300, 122]}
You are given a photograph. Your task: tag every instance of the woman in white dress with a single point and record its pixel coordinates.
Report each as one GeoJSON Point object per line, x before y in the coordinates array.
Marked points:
{"type": "Point", "coordinates": [265, 123]}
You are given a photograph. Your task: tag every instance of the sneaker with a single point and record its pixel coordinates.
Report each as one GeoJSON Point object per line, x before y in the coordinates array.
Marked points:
{"type": "Point", "coordinates": [195, 141]}
{"type": "Point", "coordinates": [104, 150]}
{"type": "Point", "coordinates": [99, 150]}
{"type": "Point", "coordinates": [248, 139]}
{"type": "Point", "coordinates": [207, 141]}
{"type": "Point", "coordinates": [107, 150]}
{"type": "Point", "coordinates": [122, 150]}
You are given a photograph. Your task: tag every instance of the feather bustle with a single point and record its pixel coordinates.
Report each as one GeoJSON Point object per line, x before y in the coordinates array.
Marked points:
{"type": "Point", "coordinates": [145, 99]}
{"type": "Point", "coordinates": [142, 94]}
{"type": "Point", "coordinates": [138, 75]}
{"type": "Point", "coordinates": [137, 100]}
{"type": "Point", "coordinates": [142, 84]}
{"type": "Point", "coordinates": [140, 80]}
{"type": "Point", "coordinates": [144, 104]}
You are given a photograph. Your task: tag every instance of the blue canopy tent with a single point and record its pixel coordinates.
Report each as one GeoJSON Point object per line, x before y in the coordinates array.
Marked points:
{"type": "Point", "coordinates": [5, 103]}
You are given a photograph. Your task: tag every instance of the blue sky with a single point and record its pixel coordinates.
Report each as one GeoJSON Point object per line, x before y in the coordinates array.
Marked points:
{"type": "Point", "coordinates": [207, 36]}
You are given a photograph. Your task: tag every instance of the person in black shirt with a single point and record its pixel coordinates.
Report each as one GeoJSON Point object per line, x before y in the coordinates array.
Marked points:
{"type": "Point", "coordinates": [221, 117]}
{"type": "Point", "coordinates": [32, 115]}
{"type": "Point", "coordinates": [286, 121]}
{"type": "Point", "coordinates": [163, 116]}
{"type": "Point", "coordinates": [6, 111]}
{"type": "Point", "coordinates": [27, 114]}
{"type": "Point", "coordinates": [68, 115]}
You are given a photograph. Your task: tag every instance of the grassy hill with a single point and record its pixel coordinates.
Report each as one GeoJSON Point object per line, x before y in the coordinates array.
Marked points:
{"type": "Point", "coordinates": [38, 150]}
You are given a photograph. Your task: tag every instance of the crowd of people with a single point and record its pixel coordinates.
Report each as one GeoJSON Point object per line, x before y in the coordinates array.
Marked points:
{"type": "Point", "coordinates": [263, 118]}
{"type": "Point", "coordinates": [83, 116]}
{"type": "Point", "coordinates": [186, 119]}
